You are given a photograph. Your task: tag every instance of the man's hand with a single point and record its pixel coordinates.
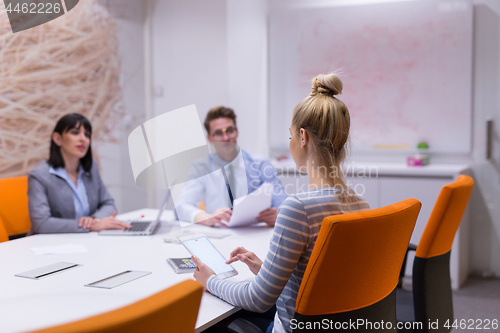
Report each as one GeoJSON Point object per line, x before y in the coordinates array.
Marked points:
{"type": "Point", "coordinates": [109, 222]}
{"type": "Point", "coordinates": [249, 258]}
{"type": "Point", "coordinates": [221, 214]}
{"type": "Point", "coordinates": [269, 216]}
{"type": "Point", "coordinates": [202, 272]}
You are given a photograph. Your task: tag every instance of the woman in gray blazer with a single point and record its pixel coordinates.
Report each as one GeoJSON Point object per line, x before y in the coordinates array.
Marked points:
{"type": "Point", "coordinates": [66, 193]}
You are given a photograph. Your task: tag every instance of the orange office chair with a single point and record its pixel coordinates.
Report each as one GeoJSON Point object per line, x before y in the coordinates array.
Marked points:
{"type": "Point", "coordinates": [3, 233]}
{"type": "Point", "coordinates": [354, 268]}
{"type": "Point", "coordinates": [432, 297]}
{"type": "Point", "coordinates": [172, 310]}
{"type": "Point", "coordinates": [201, 205]}
{"type": "Point", "coordinates": [14, 205]}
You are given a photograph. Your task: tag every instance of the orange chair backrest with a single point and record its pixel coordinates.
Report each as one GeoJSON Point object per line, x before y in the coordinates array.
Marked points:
{"type": "Point", "coordinates": [357, 259]}
{"type": "Point", "coordinates": [201, 205]}
{"type": "Point", "coordinates": [14, 205]}
{"type": "Point", "coordinates": [172, 310]}
{"type": "Point", "coordinates": [443, 223]}
{"type": "Point", "coordinates": [3, 233]}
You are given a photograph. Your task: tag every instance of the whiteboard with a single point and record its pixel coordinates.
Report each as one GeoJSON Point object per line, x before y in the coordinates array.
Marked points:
{"type": "Point", "coordinates": [406, 69]}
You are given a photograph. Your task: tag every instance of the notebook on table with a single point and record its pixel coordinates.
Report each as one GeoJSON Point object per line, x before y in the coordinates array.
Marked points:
{"type": "Point", "coordinates": [140, 228]}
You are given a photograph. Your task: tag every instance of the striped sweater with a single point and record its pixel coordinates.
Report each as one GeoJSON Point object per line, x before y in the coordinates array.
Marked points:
{"type": "Point", "coordinates": [295, 232]}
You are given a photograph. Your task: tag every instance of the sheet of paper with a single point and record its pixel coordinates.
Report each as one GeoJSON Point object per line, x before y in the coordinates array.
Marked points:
{"type": "Point", "coordinates": [59, 249]}
{"type": "Point", "coordinates": [247, 208]}
{"type": "Point", "coordinates": [208, 231]}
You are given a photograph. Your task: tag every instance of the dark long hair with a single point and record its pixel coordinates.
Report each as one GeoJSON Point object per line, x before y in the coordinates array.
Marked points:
{"type": "Point", "coordinates": [65, 124]}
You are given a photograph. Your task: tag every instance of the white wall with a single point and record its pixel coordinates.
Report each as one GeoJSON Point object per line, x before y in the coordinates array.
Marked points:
{"type": "Point", "coordinates": [213, 53]}
{"type": "Point", "coordinates": [247, 71]}
{"type": "Point", "coordinates": [188, 57]}
{"type": "Point", "coordinates": [116, 170]}
{"type": "Point", "coordinates": [485, 203]}
{"type": "Point", "coordinates": [189, 54]}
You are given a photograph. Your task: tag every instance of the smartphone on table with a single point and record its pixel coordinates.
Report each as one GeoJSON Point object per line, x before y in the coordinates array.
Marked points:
{"type": "Point", "coordinates": [199, 246]}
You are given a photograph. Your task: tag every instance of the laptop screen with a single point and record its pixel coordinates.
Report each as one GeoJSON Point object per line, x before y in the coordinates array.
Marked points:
{"type": "Point", "coordinates": [163, 207]}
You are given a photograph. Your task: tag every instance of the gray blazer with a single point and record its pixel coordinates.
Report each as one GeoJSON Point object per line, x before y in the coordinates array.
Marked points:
{"type": "Point", "coordinates": [50, 200]}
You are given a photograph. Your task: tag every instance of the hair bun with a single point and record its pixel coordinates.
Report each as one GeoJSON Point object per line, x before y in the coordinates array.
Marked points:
{"type": "Point", "coordinates": [326, 84]}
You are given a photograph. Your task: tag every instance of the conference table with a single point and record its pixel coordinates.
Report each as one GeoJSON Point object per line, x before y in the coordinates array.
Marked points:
{"type": "Point", "coordinates": [29, 304]}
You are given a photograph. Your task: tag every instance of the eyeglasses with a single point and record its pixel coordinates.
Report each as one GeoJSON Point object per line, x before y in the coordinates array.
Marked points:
{"type": "Point", "coordinates": [230, 132]}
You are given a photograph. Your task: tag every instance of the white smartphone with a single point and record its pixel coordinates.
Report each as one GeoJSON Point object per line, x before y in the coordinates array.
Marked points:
{"type": "Point", "coordinates": [199, 246]}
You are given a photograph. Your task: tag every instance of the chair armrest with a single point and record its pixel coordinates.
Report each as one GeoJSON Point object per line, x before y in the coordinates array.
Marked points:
{"type": "Point", "coordinates": [411, 247]}
{"type": "Point", "coordinates": [243, 326]}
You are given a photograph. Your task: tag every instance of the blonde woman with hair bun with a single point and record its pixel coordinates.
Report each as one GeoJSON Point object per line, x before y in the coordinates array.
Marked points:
{"type": "Point", "coordinates": [319, 133]}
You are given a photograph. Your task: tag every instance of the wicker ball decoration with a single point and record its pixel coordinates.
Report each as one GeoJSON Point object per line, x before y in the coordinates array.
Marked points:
{"type": "Point", "coordinates": [70, 64]}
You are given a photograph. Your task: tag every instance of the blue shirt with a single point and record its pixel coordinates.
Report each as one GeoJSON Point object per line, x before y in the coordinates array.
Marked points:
{"type": "Point", "coordinates": [210, 186]}
{"type": "Point", "coordinates": [80, 199]}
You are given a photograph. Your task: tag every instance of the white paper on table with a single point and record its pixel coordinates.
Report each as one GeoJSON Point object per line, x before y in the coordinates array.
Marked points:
{"type": "Point", "coordinates": [59, 249]}
{"type": "Point", "coordinates": [247, 208]}
{"type": "Point", "coordinates": [173, 236]}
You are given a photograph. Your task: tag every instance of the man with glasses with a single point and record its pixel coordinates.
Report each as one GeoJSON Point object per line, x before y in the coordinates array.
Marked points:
{"type": "Point", "coordinates": [243, 174]}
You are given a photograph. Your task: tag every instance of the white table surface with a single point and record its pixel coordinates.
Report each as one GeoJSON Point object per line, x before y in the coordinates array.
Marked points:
{"type": "Point", "coordinates": [27, 304]}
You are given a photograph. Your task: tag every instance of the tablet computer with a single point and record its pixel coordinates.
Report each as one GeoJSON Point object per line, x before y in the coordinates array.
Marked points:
{"type": "Point", "coordinates": [199, 245]}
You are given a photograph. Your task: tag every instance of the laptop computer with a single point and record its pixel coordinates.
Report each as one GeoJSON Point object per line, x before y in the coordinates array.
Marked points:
{"type": "Point", "coordinates": [140, 228]}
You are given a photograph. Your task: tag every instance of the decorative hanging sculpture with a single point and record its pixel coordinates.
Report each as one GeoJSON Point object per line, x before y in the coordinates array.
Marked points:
{"type": "Point", "coordinates": [70, 64]}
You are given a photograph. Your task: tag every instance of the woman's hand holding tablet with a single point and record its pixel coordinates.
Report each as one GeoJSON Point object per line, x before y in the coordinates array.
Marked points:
{"type": "Point", "coordinates": [207, 258]}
